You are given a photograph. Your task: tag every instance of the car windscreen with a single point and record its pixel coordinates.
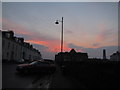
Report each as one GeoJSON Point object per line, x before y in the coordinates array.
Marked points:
{"type": "Point", "coordinates": [38, 63]}
{"type": "Point", "coordinates": [32, 63]}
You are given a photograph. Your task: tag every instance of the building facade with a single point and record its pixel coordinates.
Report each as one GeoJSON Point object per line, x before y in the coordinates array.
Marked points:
{"type": "Point", "coordinates": [14, 48]}
{"type": "Point", "coordinates": [115, 56]}
{"type": "Point", "coordinates": [71, 56]}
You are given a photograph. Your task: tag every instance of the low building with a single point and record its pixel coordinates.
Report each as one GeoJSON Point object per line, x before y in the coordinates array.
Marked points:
{"type": "Point", "coordinates": [71, 56]}
{"type": "Point", "coordinates": [115, 56]}
{"type": "Point", "coordinates": [14, 48]}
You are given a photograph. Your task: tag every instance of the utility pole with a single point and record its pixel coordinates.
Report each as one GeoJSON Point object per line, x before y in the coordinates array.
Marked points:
{"type": "Point", "coordinates": [62, 37]}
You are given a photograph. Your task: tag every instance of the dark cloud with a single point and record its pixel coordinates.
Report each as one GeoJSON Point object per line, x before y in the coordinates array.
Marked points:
{"type": "Point", "coordinates": [76, 47]}
{"type": "Point", "coordinates": [40, 47]}
{"type": "Point", "coordinates": [96, 52]}
{"type": "Point", "coordinates": [92, 52]}
{"type": "Point", "coordinates": [68, 32]}
{"type": "Point", "coordinates": [26, 37]}
{"type": "Point", "coordinates": [44, 51]}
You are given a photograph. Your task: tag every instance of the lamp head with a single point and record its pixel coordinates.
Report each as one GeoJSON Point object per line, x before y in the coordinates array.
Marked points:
{"type": "Point", "coordinates": [56, 22]}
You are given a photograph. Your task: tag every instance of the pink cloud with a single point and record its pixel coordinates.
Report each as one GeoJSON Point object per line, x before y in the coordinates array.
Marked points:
{"type": "Point", "coordinates": [33, 37]}
{"type": "Point", "coordinates": [10, 25]}
{"type": "Point", "coordinates": [105, 36]}
{"type": "Point", "coordinates": [37, 42]}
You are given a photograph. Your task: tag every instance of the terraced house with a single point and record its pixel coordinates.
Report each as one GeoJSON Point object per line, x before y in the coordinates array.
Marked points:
{"type": "Point", "coordinates": [14, 48]}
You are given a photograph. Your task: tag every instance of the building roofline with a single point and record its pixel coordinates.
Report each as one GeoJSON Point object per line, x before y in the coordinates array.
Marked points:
{"type": "Point", "coordinates": [20, 43]}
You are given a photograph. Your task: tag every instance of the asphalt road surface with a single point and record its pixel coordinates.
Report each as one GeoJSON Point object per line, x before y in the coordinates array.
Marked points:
{"type": "Point", "coordinates": [12, 79]}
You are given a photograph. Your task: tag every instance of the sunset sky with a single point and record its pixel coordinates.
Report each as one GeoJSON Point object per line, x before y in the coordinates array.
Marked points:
{"type": "Point", "coordinates": [88, 26]}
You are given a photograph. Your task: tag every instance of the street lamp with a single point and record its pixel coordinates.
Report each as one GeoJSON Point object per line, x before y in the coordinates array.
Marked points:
{"type": "Point", "coordinates": [57, 22]}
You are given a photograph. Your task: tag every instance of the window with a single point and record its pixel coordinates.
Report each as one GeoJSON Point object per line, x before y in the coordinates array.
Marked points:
{"type": "Point", "coordinates": [8, 45]}
{"type": "Point", "coordinates": [16, 47]}
{"type": "Point", "coordinates": [13, 46]}
{"type": "Point", "coordinates": [7, 55]}
{"type": "Point", "coordinates": [7, 35]}
{"type": "Point", "coordinates": [16, 55]}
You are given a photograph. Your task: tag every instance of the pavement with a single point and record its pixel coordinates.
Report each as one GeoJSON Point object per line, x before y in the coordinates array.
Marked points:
{"type": "Point", "coordinates": [58, 80]}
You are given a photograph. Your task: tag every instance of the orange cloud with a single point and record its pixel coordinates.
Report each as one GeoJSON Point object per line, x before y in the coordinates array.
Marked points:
{"type": "Point", "coordinates": [53, 46]}
{"type": "Point", "coordinates": [57, 48]}
{"type": "Point", "coordinates": [36, 42]}
{"type": "Point", "coordinates": [34, 37]}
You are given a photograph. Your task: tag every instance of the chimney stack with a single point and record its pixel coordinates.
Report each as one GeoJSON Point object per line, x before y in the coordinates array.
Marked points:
{"type": "Point", "coordinates": [104, 54]}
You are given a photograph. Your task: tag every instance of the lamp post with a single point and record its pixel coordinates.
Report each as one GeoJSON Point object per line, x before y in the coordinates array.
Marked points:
{"type": "Point", "coordinates": [57, 22]}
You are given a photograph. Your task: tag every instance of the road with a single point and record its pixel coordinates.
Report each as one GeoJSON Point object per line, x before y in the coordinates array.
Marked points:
{"type": "Point", "coordinates": [11, 79]}
{"type": "Point", "coordinates": [60, 81]}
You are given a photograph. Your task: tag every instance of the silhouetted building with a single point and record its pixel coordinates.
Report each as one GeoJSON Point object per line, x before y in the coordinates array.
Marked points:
{"type": "Point", "coordinates": [104, 54]}
{"type": "Point", "coordinates": [115, 56]}
{"type": "Point", "coordinates": [71, 56]}
{"type": "Point", "coordinates": [14, 48]}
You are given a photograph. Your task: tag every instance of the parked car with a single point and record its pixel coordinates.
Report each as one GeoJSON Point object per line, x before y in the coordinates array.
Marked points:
{"type": "Point", "coordinates": [36, 67]}
{"type": "Point", "coordinates": [49, 61]}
